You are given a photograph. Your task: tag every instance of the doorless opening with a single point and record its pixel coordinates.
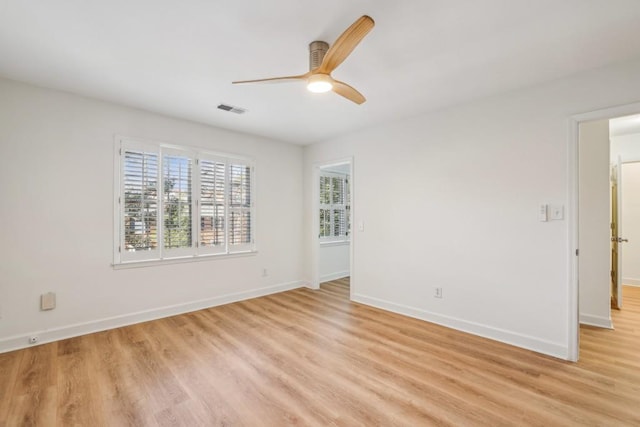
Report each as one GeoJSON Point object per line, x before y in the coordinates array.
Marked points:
{"type": "Point", "coordinates": [332, 211]}
{"type": "Point", "coordinates": [583, 197]}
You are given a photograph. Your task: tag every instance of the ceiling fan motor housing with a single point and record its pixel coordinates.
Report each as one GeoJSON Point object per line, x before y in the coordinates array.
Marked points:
{"type": "Point", "coordinates": [317, 50]}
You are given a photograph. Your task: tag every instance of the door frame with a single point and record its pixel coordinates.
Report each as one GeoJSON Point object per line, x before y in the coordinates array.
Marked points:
{"type": "Point", "coordinates": [573, 344]}
{"type": "Point", "coordinates": [315, 222]}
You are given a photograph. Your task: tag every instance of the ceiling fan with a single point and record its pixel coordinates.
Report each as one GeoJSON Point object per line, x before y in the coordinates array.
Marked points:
{"type": "Point", "coordinates": [324, 59]}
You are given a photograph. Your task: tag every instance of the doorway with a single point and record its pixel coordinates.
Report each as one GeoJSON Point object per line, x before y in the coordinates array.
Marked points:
{"type": "Point", "coordinates": [332, 210]}
{"type": "Point", "coordinates": [590, 220]}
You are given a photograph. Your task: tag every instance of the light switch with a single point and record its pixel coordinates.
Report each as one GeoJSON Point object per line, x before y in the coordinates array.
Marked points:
{"type": "Point", "coordinates": [48, 301]}
{"type": "Point", "coordinates": [361, 226]}
{"type": "Point", "coordinates": [542, 213]}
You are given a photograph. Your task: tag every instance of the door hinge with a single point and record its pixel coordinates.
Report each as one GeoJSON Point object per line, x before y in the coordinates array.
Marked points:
{"type": "Point", "coordinates": [577, 252]}
{"type": "Point", "coordinates": [120, 249]}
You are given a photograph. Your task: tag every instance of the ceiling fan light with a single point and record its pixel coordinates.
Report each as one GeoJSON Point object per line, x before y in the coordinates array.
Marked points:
{"type": "Point", "coordinates": [319, 83]}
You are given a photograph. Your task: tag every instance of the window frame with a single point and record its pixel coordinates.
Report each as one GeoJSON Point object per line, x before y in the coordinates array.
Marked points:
{"type": "Point", "coordinates": [332, 207]}
{"type": "Point", "coordinates": [196, 252]}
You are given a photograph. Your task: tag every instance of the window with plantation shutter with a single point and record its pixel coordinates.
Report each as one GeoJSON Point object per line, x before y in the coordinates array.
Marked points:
{"type": "Point", "coordinates": [334, 207]}
{"type": "Point", "coordinates": [212, 205]}
{"type": "Point", "coordinates": [176, 202]}
{"type": "Point", "coordinates": [139, 200]}
{"type": "Point", "coordinates": [239, 205]}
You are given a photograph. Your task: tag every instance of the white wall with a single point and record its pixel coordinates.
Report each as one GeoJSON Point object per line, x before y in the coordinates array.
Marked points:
{"type": "Point", "coordinates": [56, 179]}
{"type": "Point", "coordinates": [334, 261]}
{"type": "Point", "coordinates": [450, 199]}
{"type": "Point", "coordinates": [625, 146]}
{"type": "Point", "coordinates": [594, 224]}
{"type": "Point", "coordinates": [631, 224]}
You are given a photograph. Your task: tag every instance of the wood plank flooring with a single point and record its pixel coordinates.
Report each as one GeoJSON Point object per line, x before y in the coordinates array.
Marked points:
{"type": "Point", "coordinates": [312, 358]}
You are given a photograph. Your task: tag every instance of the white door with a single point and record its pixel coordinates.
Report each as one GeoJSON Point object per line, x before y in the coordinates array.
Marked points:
{"type": "Point", "coordinates": [617, 236]}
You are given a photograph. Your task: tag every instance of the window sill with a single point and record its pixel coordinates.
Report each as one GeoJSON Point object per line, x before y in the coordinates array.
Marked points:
{"type": "Point", "coordinates": [335, 243]}
{"type": "Point", "coordinates": [182, 260]}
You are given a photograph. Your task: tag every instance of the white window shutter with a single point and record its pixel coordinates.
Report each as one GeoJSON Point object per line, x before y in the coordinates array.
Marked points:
{"type": "Point", "coordinates": [212, 205]}
{"type": "Point", "coordinates": [335, 207]}
{"type": "Point", "coordinates": [177, 201]}
{"type": "Point", "coordinates": [240, 226]}
{"type": "Point", "coordinates": [139, 204]}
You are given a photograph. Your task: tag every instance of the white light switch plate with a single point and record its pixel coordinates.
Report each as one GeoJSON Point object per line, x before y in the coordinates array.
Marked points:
{"type": "Point", "coordinates": [556, 212]}
{"type": "Point", "coordinates": [48, 301]}
{"type": "Point", "coordinates": [542, 213]}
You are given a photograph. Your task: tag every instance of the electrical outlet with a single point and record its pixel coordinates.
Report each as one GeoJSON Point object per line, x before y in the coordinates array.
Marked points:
{"type": "Point", "coordinates": [556, 212]}
{"type": "Point", "coordinates": [265, 273]}
{"type": "Point", "coordinates": [437, 293]}
{"type": "Point", "coordinates": [33, 339]}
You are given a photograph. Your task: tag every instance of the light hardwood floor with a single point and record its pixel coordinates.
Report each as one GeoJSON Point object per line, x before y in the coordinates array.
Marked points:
{"type": "Point", "coordinates": [313, 358]}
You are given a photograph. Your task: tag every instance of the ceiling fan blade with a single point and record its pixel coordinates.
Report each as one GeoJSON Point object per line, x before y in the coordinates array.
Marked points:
{"type": "Point", "coordinates": [348, 92]}
{"type": "Point", "coordinates": [345, 44]}
{"type": "Point", "coordinates": [274, 79]}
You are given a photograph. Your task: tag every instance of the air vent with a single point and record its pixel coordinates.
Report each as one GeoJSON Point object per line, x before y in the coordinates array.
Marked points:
{"type": "Point", "coordinates": [232, 109]}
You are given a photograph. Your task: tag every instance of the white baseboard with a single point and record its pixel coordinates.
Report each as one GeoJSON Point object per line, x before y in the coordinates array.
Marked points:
{"type": "Point", "coordinates": [17, 342]}
{"type": "Point", "coordinates": [334, 276]}
{"type": "Point", "coordinates": [627, 281]}
{"type": "Point", "coordinates": [599, 321]}
{"type": "Point", "coordinates": [519, 340]}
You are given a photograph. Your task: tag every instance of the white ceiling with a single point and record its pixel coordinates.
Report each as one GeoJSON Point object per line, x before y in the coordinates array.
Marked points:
{"type": "Point", "coordinates": [179, 57]}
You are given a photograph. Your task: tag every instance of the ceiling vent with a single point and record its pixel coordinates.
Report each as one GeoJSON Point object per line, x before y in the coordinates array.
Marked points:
{"type": "Point", "coordinates": [232, 109]}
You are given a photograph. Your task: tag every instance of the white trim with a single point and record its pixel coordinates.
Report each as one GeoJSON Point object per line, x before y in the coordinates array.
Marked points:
{"type": "Point", "coordinates": [628, 281]}
{"type": "Point", "coordinates": [333, 276]}
{"type": "Point", "coordinates": [599, 321]}
{"type": "Point", "coordinates": [17, 342]}
{"type": "Point", "coordinates": [161, 255]}
{"type": "Point", "coordinates": [324, 244]}
{"type": "Point", "coordinates": [352, 237]}
{"type": "Point", "coordinates": [573, 337]}
{"type": "Point", "coordinates": [199, 149]}
{"type": "Point", "coordinates": [116, 199]}
{"type": "Point", "coordinates": [520, 340]}
{"type": "Point", "coordinates": [182, 260]}
{"type": "Point", "coordinates": [315, 228]}
{"type": "Point", "coordinates": [573, 343]}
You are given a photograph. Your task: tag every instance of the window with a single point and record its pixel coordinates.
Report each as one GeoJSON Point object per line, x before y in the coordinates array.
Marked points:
{"type": "Point", "coordinates": [175, 202]}
{"type": "Point", "coordinates": [335, 206]}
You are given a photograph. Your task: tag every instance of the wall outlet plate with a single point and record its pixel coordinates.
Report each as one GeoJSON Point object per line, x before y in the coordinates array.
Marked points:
{"type": "Point", "coordinates": [556, 212]}
{"type": "Point", "coordinates": [48, 301]}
